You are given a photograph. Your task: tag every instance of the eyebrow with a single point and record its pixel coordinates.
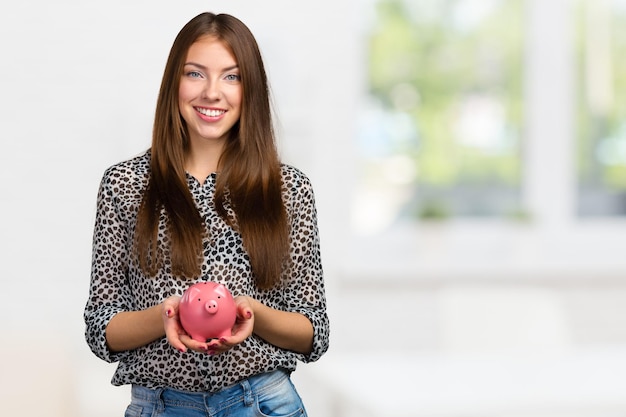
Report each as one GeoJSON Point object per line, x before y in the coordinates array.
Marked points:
{"type": "Point", "coordinates": [204, 68]}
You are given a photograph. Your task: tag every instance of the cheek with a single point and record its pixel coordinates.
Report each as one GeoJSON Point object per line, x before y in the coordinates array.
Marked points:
{"type": "Point", "coordinates": [234, 93]}
{"type": "Point", "coordinates": [236, 97]}
{"type": "Point", "coordinates": [186, 92]}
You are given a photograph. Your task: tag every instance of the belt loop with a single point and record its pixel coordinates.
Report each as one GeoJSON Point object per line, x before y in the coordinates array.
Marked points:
{"type": "Point", "coordinates": [248, 399]}
{"type": "Point", "coordinates": [160, 404]}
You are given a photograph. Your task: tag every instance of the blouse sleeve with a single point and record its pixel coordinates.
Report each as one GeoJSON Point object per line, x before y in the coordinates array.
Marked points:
{"type": "Point", "coordinates": [109, 291]}
{"type": "Point", "coordinates": [305, 292]}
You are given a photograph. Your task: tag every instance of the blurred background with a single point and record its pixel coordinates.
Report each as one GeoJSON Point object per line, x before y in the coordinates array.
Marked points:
{"type": "Point", "coordinates": [469, 162]}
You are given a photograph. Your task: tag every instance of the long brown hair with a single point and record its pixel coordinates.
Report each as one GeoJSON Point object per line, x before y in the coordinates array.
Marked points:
{"type": "Point", "coordinates": [248, 181]}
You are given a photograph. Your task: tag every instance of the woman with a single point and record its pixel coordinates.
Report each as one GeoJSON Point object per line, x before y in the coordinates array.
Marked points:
{"type": "Point", "coordinates": [210, 201]}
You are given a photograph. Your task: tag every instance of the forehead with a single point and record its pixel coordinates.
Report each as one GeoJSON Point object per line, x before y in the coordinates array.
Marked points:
{"type": "Point", "coordinates": [207, 49]}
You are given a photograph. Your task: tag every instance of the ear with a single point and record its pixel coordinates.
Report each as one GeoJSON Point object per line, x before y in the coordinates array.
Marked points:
{"type": "Point", "coordinates": [220, 290]}
{"type": "Point", "coordinates": [190, 294]}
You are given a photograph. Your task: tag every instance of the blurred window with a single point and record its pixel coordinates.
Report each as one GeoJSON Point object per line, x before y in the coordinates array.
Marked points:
{"type": "Point", "coordinates": [440, 134]}
{"type": "Point", "coordinates": [601, 110]}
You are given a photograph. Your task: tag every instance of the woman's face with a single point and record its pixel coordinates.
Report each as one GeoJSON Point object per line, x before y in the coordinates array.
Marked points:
{"type": "Point", "coordinates": [210, 92]}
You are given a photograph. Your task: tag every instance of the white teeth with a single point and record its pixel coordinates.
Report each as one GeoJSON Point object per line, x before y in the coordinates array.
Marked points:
{"type": "Point", "coordinates": [210, 113]}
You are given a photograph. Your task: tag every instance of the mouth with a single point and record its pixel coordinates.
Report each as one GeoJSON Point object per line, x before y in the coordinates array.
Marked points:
{"type": "Point", "coordinates": [210, 112]}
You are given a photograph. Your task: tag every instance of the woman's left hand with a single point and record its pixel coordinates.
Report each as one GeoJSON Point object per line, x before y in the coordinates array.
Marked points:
{"type": "Point", "coordinates": [244, 325]}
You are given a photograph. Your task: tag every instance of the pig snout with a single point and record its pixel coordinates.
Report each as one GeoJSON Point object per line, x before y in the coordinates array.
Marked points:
{"type": "Point", "coordinates": [211, 306]}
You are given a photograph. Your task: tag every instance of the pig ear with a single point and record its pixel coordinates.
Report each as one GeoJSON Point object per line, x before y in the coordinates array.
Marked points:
{"type": "Point", "coordinates": [220, 289]}
{"type": "Point", "coordinates": [190, 294]}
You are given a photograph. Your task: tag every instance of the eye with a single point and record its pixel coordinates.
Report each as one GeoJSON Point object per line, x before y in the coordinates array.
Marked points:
{"type": "Point", "coordinates": [232, 77]}
{"type": "Point", "coordinates": [193, 74]}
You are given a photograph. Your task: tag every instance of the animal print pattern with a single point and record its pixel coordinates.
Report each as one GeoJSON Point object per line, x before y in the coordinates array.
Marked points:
{"type": "Point", "coordinates": [117, 284]}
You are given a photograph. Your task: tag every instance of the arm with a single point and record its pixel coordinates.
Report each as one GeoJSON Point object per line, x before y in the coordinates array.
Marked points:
{"type": "Point", "coordinates": [109, 291]}
{"type": "Point", "coordinates": [287, 330]}
{"type": "Point", "coordinates": [131, 329]}
{"type": "Point", "coordinates": [115, 322]}
{"type": "Point", "coordinates": [305, 293]}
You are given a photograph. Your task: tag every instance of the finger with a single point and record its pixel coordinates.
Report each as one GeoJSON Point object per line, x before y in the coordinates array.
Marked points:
{"type": "Point", "coordinates": [194, 344]}
{"type": "Point", "coordinates": [240, 333]}
{"type": "Point", "coordinates": [215, 348]}
{"type": "Point", "coordinates": [173, 330]}
{"type": "Point", "coordinates": [174, 339]}
{"type": "Point", "coordinates": [222, 344]}
{"type": "Point", "coordinates": [244, 312]}
{"type": "Point", "coordinates": [170, 306]}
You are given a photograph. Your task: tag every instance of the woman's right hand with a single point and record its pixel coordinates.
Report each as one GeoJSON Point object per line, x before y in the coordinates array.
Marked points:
{"type": "Point", "coordinates": [174, 332]}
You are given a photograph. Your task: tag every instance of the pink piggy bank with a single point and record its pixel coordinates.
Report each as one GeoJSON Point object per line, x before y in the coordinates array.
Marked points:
{"type": "Point", "coordinates": [207, 311]}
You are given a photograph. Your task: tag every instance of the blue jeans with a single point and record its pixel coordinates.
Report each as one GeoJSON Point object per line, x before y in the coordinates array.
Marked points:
{"type": "Point", "coordinates": [270, 394]}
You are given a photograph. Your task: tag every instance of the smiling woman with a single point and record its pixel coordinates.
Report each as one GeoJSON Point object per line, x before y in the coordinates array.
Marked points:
{"type": "Point", "coordinates": [210, 201]}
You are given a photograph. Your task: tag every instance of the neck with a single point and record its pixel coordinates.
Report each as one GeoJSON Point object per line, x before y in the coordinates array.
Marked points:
{"type": "Point", "coordinates": [202, 160]}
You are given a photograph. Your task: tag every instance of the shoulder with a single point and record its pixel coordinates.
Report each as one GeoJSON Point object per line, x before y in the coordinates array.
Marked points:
{"type": "Point", "coordinates": [297, 187]}
{"type": "Point", "coordinates": [127, 179]}
{"type": "Point", "coordinates": [135, 168]}
{"type": "Point", "coordinates": [293, 178]}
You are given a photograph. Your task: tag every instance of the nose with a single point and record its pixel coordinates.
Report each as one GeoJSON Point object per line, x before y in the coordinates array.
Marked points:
{"type": "Point", "coordinates": [211, 306]}
{"type": "Point", "coordinates": [211, 90]}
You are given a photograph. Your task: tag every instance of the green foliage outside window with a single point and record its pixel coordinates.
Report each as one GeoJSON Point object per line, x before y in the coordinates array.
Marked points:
{"type": "Point", "coordinates": [601, 112]}
{"type": "Point", "coordinates": [445, 62]}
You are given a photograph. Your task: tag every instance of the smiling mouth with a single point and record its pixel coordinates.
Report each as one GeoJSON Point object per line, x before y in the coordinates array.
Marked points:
{"type": "Point", "coordinates": [210, 112]}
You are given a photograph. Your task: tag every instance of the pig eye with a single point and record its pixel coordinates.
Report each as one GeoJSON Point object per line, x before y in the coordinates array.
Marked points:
{"type": "Point", "coordinates": [199, 299]}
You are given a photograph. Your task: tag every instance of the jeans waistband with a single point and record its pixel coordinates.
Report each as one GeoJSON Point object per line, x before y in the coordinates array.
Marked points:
{"type": "Point", "coordinates": [256, 384]}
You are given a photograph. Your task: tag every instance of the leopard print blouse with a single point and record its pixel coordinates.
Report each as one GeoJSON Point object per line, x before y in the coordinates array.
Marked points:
{"type": "Point", "coordinates": [117, 284]}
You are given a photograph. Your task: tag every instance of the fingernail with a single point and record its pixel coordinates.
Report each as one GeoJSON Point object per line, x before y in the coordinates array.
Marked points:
{"type": "Point", "coordinates": [168, 312]}
{"type": "Point", "coordinates": [181, 350]}
{"type": "Point", "coordinates": [249, 314]}
{"type": "Point", "coordinates": [222, 340]}
{"type": "Point", "coordinates": [211, 352]}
